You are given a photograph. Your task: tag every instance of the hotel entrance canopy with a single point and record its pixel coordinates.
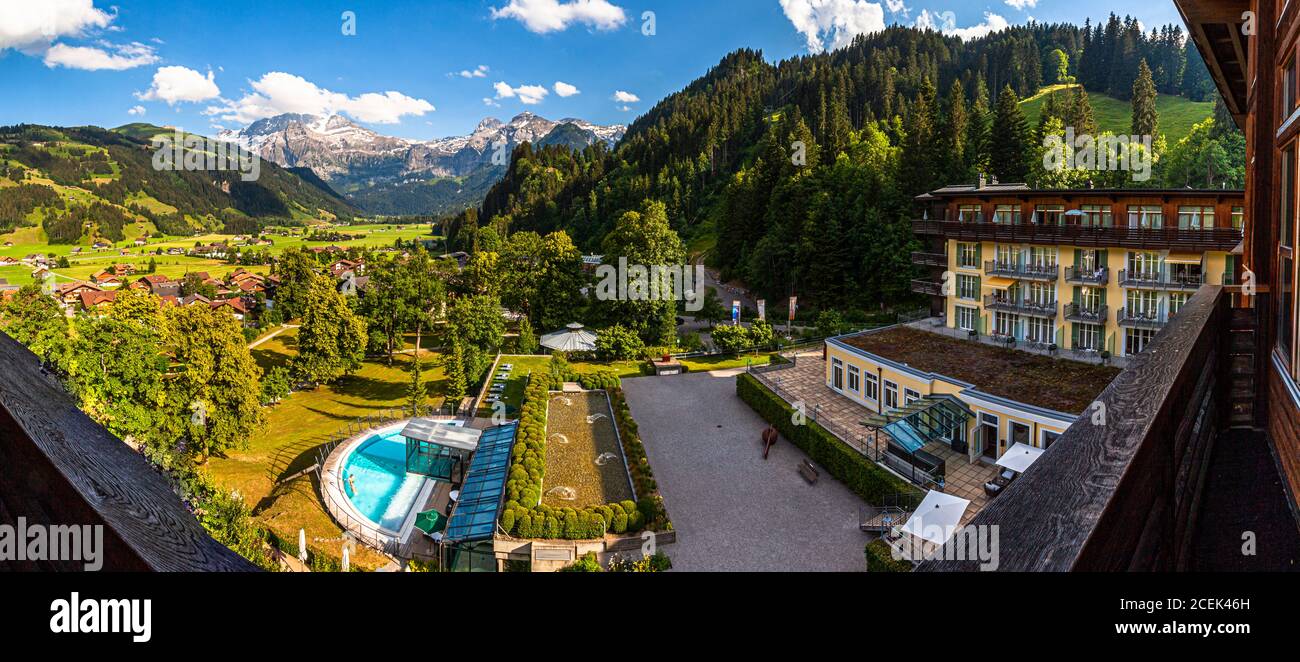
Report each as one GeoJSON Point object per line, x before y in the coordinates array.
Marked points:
{"type": "Point", "coordinates": [932, 418]}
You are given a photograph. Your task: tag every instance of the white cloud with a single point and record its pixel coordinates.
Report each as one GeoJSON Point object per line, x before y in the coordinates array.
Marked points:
{"type": "Point", "coordinates": [180, 84]}
{"type": "Point", "coordinates": [947, 24]}
{"type": "Point", "coordinates": [136, 111]}
{"type": "Point", "coordinates": [897, 6]}
{"type": "Point", "coordinates": [1022, 4]}
{"type": "Point", "coordinates": [481, 71]}
{"type": "Point", "coordinates": [35, 25]}
{"type": "Point", "coordinates": [565, 90]}
{"type": "Point", "coordinates": [625, 97]}
{"type": "Point", "coordinates": [529, 95]}
{"type": "Point", "coordinates": [543, 16]}
{"type": "Point", "coordinates": [90, 58]}
{"type": "Point", "coordinates": [834, 21]}
{"type": "Point", "coordinates": [277, 93]}
{"type": "Point", "coordinates": [490, 102]}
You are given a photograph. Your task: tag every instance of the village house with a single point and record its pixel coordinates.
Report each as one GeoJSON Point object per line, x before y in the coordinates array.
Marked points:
{"type": "Point", "coordinates": [341, 268]}
{"type": "Point", "coordinates": [70, 293]}
{"type": "Point", "coordinates": [7, 262]}
{"type": "Point", "coordinates": [158, 285]}
{"type": "Point", "coordinates": [106, 279]}
{"type": "Point", "coordinates": [91, 301]}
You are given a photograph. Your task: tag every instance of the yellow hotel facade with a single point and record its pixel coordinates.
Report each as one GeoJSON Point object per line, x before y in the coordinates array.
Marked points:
{"type": "Point", "coordinates": [1093, 272]}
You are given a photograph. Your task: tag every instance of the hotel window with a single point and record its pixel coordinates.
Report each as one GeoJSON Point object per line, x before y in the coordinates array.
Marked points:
{"type": "Point", "coordinates": [910, 396]}
{"type": "Point", "coordinates": [969, 214]}
{"type": "Point", "coordinates": [1177, 300]}
{"type": "Point", "coordinates": [1006, 324]}
{"type": "Point", "coordinates": [1136, 340]}
{"type": "Point", "coordinates": [1091, 298]}
{"type": "Point", "coordinates": [1143, 304]}
{"type": "Point", "coordinates": [1286, 230]}
{"type": "Point", "coordinates": [1050, 214]}
{"type": "Point", "coordinates": [1041, 331]}
{"type": "Point", "coordinates": [1007, 214]}
{"type": "Point", "coordinates": [1087, 337]}
{"type": "Point", "coordinates": [1049, 438]}
{"type": "Point", "coordinates": [1097, 216]}
{"type": "Point", "coordinates": [1041, 294]}
{"type": "Point", "coordinates": [891, 396]}
{"type": "Point", "coordinates": [1145, 264]}
{"type": "Point", "coordinates": [1289, 88]}
{"type": "Point", "coordinates": [968, 256]}
{"type": "Point", "coordinates": [1043, 256]}
{"type": "Point", "coordinates": [837, 374]}
{"type": "Point", "coordinates": [1146, 217]}
{"type": "Point", "coordinates": [966, 318]}
{"type": "Point", "coordinates": [873, 387]}
{"type": "Point", "coordinates": [1239, 218]}
{"type": "Point", "coordinates": [855, 379]}
{"type": "Point", "coordinates": [968, 287]}
{"type": "Point", "coordinates": [1195, 218]}
{"type": "Point", "coordinates": [1088, 261]}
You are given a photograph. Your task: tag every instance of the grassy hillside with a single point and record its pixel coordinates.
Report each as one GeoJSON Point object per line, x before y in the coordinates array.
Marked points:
{"type": "Point", "coordinates": [1177, 115]}
{"type": "Point", "coordinates": [85, 183]}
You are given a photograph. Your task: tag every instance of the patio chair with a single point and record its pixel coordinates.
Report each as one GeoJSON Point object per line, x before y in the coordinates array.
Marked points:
{"type": "Point", "coordinates": [992, 489]}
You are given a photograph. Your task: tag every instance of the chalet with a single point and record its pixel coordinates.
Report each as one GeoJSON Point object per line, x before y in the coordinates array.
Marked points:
{"type": "Point", "coordinates": [9, 244]}
{"type": "Point", "coordinates": [107, 279]}
{"type": "Point", "coordinates": [176, 251]}
{"type": "Point", "coordinates": [251, 286]}
{"type": "Point", "coordinates": [140, 242]}
{"type": "Point", "coordinates": [353, 285]}
{"type": "Point", "coordinates": [342, 268]}
{"type": "Point", "coordinates": [325, 249]}
{"type": "Point", "coordinates": [91, 301]}
{"type": "Point", "coordinates": [158, 285]}
{"type": "Point", "coordinates": [101, 246]}
{"type": "Point", "coordinates": [123, 269]}
{"type": "Point", "coordinates": [235, 306]}
{"type": "Point", "coordinates": [461, 258]}
{"type": "Point", "coordinates": [195, 300]}
{"type": "Point", "coordinates": [70, 293]}
{"type": "Point", "coordinates": [7, 261]}
{"type": "Point", "coordinates": [6, 287]}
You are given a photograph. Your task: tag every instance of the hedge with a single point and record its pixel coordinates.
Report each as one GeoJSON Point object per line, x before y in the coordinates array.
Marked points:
{"type": "Point", "coordinates": [861, 475]}
{"type": "Point", "coordinates": [880, 558]}
{"type": "Point", "coordinates": [525, 516]}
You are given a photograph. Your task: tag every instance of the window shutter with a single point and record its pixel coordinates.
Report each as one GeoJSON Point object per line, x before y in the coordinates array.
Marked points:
{"type": "Point", "coordinates": [1074, 336]}
{"type": "Point", "coordinates": [1078, 294]}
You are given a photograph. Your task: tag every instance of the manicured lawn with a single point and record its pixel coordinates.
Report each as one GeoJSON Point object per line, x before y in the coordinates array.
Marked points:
{"type": "Point", "coordinates": [296, 428]}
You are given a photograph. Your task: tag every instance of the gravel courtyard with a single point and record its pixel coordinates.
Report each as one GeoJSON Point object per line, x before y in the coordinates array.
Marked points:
{"type": "Point", "coordinates": [732, 510]}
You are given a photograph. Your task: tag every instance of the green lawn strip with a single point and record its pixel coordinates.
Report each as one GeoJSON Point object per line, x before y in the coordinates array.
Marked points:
{"type": "Point", "coordinates": [298, 426]}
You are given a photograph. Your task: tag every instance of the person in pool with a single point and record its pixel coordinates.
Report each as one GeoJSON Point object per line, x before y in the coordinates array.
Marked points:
{"type": "Point", "coordinates": [352, 483]}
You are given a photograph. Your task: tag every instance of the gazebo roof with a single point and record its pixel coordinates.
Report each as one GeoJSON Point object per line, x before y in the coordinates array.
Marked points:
{"type": "Point", "coordinates": [575, 338]}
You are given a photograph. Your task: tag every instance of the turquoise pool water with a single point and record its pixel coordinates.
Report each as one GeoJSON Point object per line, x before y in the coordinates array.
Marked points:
{"type": "Point", "coordinates": [380, 489]}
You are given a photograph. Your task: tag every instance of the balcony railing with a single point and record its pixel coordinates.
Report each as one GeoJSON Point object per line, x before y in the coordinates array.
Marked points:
{"type": "Point", "coordinates": [1088, 236]}
{"type": "Point", "coordinates": [1077, 312]}
{"type": "Point", "coordinates": [1080, 276]}
{"type": "Point", "coordinates": [63, 469]}
{"type": "Point", "coordinates": [1118, 492]}
{"type": "Point", "coordinates": [1141, 319]}
{"type": "Point", "coordinates": [1020, 306]}
{"type": "Point", "coordinates": [930, 259]}
{"type": "Point", "coordinates": [927, 287]}
{"type": "Point", "coordinates": [1160, 280]}
{"type": "Point", "coordinates": [1022, 271]}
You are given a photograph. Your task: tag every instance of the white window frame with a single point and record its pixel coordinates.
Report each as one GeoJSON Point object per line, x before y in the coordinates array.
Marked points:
{"type": "Point", "coordinates": [891, 395]}
{"type": "Point", "coordinates": [871, 391]}
{"type": "Point", "coordinates": [855, 379]}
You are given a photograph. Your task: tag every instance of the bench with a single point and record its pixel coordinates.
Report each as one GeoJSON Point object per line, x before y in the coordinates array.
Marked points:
{"type": "Point", "coordinates": [809, 472]}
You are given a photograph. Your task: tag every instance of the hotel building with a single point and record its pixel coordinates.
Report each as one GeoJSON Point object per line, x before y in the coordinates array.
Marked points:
{"type": "Point", "coordinates": [1088, 271]}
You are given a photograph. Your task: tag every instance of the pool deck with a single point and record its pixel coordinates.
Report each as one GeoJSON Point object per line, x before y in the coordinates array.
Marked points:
{"type": "Point", "coordinates": [433, 495]}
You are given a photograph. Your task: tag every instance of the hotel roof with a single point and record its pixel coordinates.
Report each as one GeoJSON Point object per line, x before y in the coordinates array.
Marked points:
{"type": "Point", "coordinates": [1016, 190]}
{"type": "Point", "coordinates": [1056, 384]}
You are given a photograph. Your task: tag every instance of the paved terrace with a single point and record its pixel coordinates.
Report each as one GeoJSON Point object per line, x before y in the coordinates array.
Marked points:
{"type": "Point", "coordinates": [732, 510]}
{"type": "Point", "coordinates": [806, 383]}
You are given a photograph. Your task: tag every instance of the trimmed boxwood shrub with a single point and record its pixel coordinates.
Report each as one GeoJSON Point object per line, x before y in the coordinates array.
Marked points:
{"type": "Point", "coordinates": [880, 558]}
{"type": "Point", "coordinates": [525, 516]}
{"type": "Point", "coordinates": [864, 477]}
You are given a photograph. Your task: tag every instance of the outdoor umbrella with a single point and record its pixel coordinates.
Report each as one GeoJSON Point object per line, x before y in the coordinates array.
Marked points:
{"type": "Point", "coordinates": [937, 518]}
{"type": "Point", "coordinates": [1019, 457]}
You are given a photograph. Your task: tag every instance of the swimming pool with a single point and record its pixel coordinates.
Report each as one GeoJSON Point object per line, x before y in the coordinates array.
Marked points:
{"type": "Point", "coordinates": [375, 479]}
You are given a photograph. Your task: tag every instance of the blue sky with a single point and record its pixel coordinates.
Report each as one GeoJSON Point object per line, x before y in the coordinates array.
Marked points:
{"type": "Point", "coordinates": [425, 68]}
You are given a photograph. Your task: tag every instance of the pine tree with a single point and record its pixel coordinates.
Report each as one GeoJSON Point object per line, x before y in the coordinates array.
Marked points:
{"type": "Point", "coordinates": [1080, 116]}
{"type": "Point", "coordinates": [416, 390]}
{"type": "Point", "coordinates": [977, 131]}
{"type": "Point", "coordinates": [1146, 121]}
{"type": "Point", "coordinates": [919, 150]}
{"type": "Point", "coordinates": [1008, 155]}
{"type": "Point", "coordinates": [954, 135]}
